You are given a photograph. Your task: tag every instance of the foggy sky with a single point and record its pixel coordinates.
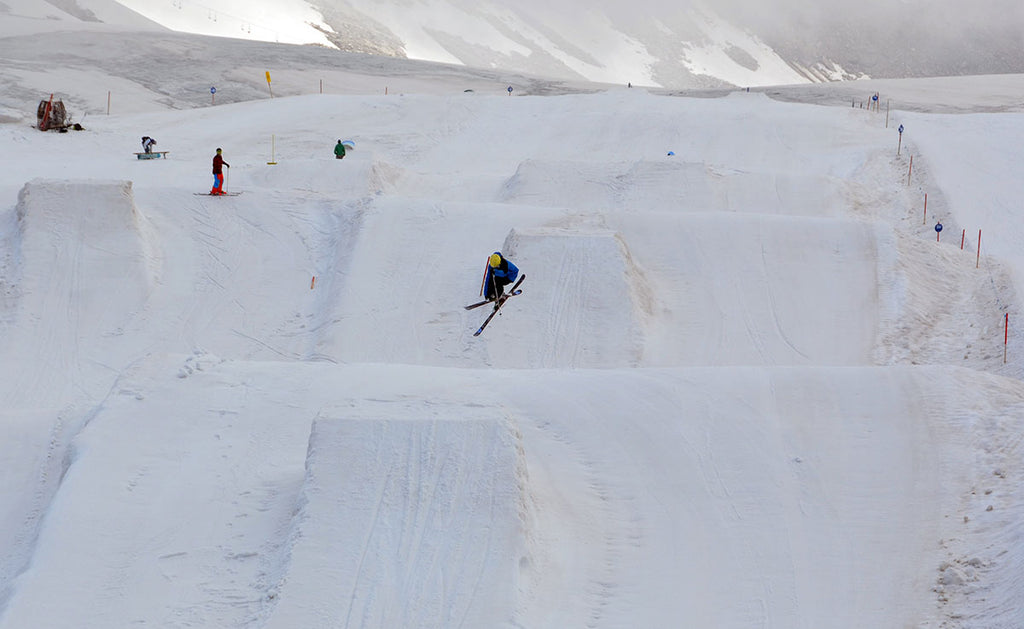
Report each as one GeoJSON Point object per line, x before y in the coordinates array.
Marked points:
{"type": "Point", "coordinates": [780, 13]}
{"type": "Point", "coordinates": [885, 38]}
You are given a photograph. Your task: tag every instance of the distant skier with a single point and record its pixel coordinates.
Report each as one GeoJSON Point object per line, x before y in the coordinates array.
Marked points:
{"type": "Point", "coordinates": [218, 173]}
{"type": "Point", "coordinates": [147, 144]}
{"type": "Point", "coordinates": [339, 150]}
{"type": "Point", "coordinates": [500, 273]}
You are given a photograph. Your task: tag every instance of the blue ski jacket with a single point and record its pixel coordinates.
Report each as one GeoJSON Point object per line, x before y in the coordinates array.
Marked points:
{"type": "Point", "coordinates": [506, 272]}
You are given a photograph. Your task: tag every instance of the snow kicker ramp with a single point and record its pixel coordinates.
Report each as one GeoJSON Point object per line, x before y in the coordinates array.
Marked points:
{"type": "Point", "coordinates": [727, 289]}
{"type": "Point", "coordinates": [613, 291]}
{"type": "Point", "coordinates": [670, 185]}
{"type": "Point", "coordinates": [84, 271]}
{"type": "Point", "coordinates": [435, 507]}
{"type": "Point", "coordinates": [784, 497]}
{"type": "Point", "coordinates": [695, 289]}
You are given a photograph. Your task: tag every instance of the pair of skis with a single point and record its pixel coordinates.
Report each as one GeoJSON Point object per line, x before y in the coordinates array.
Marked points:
{"type": "Point", "coordinates": [501, 302]}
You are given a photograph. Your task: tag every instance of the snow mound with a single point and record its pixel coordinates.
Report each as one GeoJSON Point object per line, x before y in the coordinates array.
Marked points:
{"type": "Point", "coordinates": [84, 230]}
{"type": "Point", "coordinates": [83, 259]}
{"type": "Point", "coordinates": [355, 176]}
{"type": "Point", "coordinates": [745, 289]}
{"type": "Point", "coordinates": [436, 506]}
{"type": "Point", "coordinates": [670, 184]}
{"type": "Point", "coordinates": [580, 284]}
{"type": "Point", "coordinates": [833, 480]}
{"type": "Point", "coordinates": [28, 452]}
{"type": "Point", "coordinates": [942, 309]}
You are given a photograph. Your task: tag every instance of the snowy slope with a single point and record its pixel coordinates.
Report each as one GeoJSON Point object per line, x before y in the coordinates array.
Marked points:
{"type": "Point", "coordinates": [689, 44]}
{"type": "Point", "coordinates": [558, 41]}
{"type": "Point", "coordinates": [744, 385]}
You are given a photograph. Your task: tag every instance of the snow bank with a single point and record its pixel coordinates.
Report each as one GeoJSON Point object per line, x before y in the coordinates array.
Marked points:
{"type": "Point", "coordinates": [580, 286]}
{"type": "Point", "coordinates": [670, 185]}
{"type": "Point", "coordinates": [736, 289]}
{"type": "Point", "coordinates": [355, 176]}
{"type": "Point", "coordinates": [86, 265]}
{"type": "Point", "coordinates": [32, 463]}
{"type": "Point", "coordinates": [405, 524]}
{"type": "Point", "coordinates": [784, 496]}
{"type": "Point", "coordinates": [148, 514]}
{"type": "Point", "coordinates": [818, 497]}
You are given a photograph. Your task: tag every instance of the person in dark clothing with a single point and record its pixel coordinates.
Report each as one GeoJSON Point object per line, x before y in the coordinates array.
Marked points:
{"type": "Point", "coordinates": [339, 150]}
{"type": "Point", "coordinates": [500, 273]}
{"type": "Point", "coordinates": [218, 173]}
{"type": "Point", "coordinates": [147, 144]}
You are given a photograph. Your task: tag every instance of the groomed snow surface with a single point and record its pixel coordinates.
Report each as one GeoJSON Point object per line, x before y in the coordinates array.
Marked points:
{"type": "Point", "coordinates": [744, 386]}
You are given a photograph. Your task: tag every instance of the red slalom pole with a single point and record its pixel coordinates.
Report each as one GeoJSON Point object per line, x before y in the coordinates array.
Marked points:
{"type": "Point", "coordinates": [1006, 335]}
{"type": "Point", "coordinates": [962, 236]}
{"type": "Point", "coordinates": [978, 260]}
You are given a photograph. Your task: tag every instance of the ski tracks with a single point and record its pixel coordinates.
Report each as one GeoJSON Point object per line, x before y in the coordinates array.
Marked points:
{"type": "Point", "coordinates": [404, 523]}
{"type": "Point", "coordinates": [564, 329]}
{"type": "Point", "coordinates": [585, 532]}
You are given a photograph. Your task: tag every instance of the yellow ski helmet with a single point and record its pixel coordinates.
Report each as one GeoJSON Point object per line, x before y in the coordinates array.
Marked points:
{"type": "Point", "coordinates": [495, 260]}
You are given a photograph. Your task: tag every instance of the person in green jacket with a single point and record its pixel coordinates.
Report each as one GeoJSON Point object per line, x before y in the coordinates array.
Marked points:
{"type": "Point", "coordinates": [339, 150]}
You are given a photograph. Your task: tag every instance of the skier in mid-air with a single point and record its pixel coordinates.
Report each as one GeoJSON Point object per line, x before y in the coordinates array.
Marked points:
{"type": "Point", "coordinates": [500, 273]}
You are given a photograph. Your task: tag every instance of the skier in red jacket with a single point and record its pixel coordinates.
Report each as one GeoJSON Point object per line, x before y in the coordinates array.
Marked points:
{"type": "Point", "coordinates": [218, 173]}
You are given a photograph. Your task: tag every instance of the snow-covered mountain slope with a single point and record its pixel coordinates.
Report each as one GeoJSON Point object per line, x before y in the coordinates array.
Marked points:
{"type": "Point", "coordinates": [687, 45]}
{"type": "Point", "coordinates": [747, 382]}
{"type": "Point", "coordinates": [24, 17]}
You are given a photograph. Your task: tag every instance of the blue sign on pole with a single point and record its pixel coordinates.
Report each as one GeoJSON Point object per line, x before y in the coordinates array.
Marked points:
{"type": "Point", "coordinates": [938, 227]}
{"type": "Point", "coordinates": [901, 129]}
{"type": "Point", "coordinates": [509, 90]}
{"type": "Point", "coordinates": [213, 90]}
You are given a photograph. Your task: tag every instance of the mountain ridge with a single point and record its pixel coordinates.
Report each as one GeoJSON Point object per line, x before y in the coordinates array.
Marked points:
{"type": "Point", "coordinates": [686, 47]}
